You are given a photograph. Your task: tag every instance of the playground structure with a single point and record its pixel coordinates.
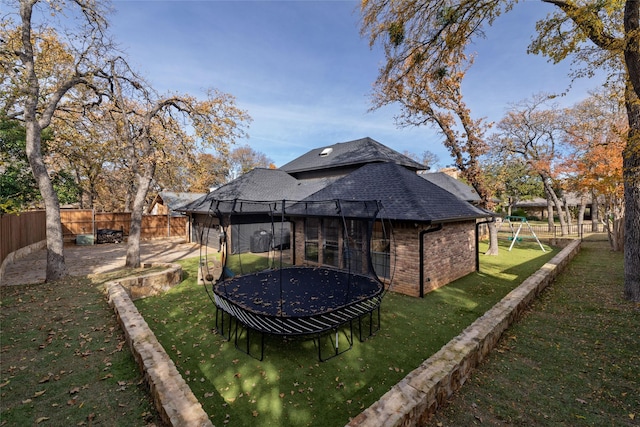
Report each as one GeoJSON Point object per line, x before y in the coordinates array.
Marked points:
{"type": "Point", "coordinates": [513, 233]}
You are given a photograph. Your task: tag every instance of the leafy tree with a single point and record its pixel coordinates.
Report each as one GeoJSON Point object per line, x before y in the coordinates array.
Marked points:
{"type": "Point", "coordinates": [18, 189]}
{"type": "Point", "coordinates": [85, 144]}
{"type": "Point", "coordinates": [429, 159]}
{"type": "Point", "coordinates": [151, 134]}
{"type": "Point", "coordinates": [596, 35]}
{"type": "Point", "coordinates": [426, 63]}
{"type": "Point", "coordinates": [208, 171]}
{"type": "Point", "coordinates": [38, 70]}
{"type": "Point", "coordinates": [243, 159]}
{"type": "Point", "coordinates": [510, 179]}
{"type": "Point", "coordinates": [533, 133]}
{"type": "Point", "coordinates": [595, 135]}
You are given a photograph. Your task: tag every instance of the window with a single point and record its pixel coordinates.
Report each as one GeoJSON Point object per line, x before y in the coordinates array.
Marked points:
{"type": "Point", "coordinates": [353, 251]}
{"type": "Point", "coordinates": [311, 228]}
{"type": "Point", "coordinates": [380, 251]}
{"type": "Point", "coordinates": [331, 245]}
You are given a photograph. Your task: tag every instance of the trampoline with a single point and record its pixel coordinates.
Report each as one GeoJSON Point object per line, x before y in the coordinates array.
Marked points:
{"type": "Point", "coordinates": [315, 301]}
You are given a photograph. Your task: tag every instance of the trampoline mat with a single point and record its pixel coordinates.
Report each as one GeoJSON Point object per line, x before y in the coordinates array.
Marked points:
{"type": "Point", "coordinates": [305, 291]}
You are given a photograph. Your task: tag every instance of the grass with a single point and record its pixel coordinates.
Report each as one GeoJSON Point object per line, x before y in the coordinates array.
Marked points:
{"type": "Point", "coordinates": [572, 360]}
{"type": "Point", "coordinates": [290, 387]}
{"type": "Point", "coordinates": [64, 360]}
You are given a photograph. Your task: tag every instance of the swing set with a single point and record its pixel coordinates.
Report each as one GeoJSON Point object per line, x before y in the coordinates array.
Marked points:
{"type": "Point", "coordinates": [515, 225]}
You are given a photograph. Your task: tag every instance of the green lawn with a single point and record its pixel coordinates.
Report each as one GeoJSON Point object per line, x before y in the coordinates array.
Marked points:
{"type": "Point", "coordinates": [64, 360]}
{"type": "Point", "coordinates": [290, 387]}
{"type": "Point", "coordinates": [573, 360]}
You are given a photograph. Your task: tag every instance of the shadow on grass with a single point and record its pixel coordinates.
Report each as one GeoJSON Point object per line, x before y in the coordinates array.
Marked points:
{"type": "Point", "coordinates": [290, 387]}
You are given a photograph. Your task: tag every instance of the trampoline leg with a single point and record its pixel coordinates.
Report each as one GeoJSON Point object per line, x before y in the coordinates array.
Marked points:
{"type": "Point", "coordinates": [247, 332]}
{"type": "Point", "coordinates": [220, 324]}
{"type": "Point", "coordinates": [335, 345]}
{"type": "Point", "coordinates": [373, 326]}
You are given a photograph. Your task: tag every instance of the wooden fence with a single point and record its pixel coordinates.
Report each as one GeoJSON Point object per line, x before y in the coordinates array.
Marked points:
{"type": "Point", "coordinates": [24, 229]}
{"type": "Point", "coordinates": [19, 231]}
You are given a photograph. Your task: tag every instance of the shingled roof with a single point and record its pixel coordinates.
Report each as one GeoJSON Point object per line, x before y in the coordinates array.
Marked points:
{"type": "Point", "coordinates": [260, 184]}
{"type": "Point", "coordinates": [454, 186]}
{"type": "Point", "coordinates": [404, 194]}
{"type": "Point", "coordinates": [351, 153]}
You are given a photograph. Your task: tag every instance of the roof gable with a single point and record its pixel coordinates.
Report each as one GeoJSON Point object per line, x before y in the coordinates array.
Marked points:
{"type": "Point", "coordinates": [343, 154]}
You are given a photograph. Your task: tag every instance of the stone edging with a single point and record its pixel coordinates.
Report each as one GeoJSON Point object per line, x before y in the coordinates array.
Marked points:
{"type": "Point", "coordinates": [417, 396]}
{"type": "Point", "coordinates": [174, 400]}
{"type": "Point", "coordinates": [153, 283]}
{"type": "Point", "coordinates": [410, 402]}
{"type": "Point", "coordinates": [21, 253]}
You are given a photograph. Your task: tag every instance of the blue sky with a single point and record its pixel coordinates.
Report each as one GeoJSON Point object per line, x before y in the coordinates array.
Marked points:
{"type": "Point", "coordinates": [305, 75]}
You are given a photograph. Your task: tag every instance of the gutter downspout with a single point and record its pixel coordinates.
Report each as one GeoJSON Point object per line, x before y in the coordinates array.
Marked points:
{"type": "Point", "coordinates": [478, 224]}
{"type": "Point", "coordinates": [421, 250]}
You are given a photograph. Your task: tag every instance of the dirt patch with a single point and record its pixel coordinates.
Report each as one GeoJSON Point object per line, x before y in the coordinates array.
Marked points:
{"type": "Point", "coordinates": [96, 259]}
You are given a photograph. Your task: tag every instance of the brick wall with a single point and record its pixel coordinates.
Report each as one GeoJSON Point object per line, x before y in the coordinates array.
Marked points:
{"type": "Point", "coordinates": [449, 254]}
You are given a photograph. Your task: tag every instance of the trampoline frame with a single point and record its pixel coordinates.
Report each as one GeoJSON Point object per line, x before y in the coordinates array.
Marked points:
{"type": "Point", "coordinates": [238, 322]}
{"type": "Point", "coordinates": [316, 326]}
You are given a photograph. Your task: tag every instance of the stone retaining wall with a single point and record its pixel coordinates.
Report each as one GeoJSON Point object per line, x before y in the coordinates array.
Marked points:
{"type": "Point", "coordinates": [174, 400]}
{"type": "Point", "coordinates": [153, 283]}
{"type": "Point", "coordinates": [411, 402]}
{"type": "Point", "coordinates": [21, 253]}
{"type": "Point", "coordinates": [416, 397]}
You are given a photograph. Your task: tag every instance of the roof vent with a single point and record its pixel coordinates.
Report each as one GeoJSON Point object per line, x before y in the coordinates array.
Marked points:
{"type": "Point", "coordinates": [326, 152]}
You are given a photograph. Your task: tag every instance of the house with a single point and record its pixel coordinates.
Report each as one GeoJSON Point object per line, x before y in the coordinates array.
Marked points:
{"type": "Point", "coordinates": [433, 230]}
{"type": "Point", "coordinates": [538, 207]}
{"type": "Point", "coordinates": [166, 202]}
{"type": "Point", "coordinates": [454, 186]}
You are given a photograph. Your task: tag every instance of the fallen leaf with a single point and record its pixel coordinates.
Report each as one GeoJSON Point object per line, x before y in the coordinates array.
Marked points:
{"type": "Point", "coordinates": [41, 419]}
{"type": "Point", "coordinates": [45, 379]}
{"type": "Point", "coordinates": [39, 393]}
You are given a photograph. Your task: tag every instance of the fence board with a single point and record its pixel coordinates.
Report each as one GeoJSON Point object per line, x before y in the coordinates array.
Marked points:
{"type": "Point", "coordinates": [21, 230]}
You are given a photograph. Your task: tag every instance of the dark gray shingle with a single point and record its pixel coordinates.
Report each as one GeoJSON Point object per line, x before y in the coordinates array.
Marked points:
{"type": "Point", "coordinates": [343, 154]}
{"type": "Point", "coordinates": [404, 194]}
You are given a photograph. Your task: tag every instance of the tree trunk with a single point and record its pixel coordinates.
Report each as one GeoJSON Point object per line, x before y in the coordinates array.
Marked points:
{"type": "Point", "coordinates": [551, 195]}
{"type": "Point", "coordinates": [550, 223]}
{"type": "Point", "coordinates": [56, 266]}
{"type": "Point", "coordinates": [631, 174]}
{"type": "Point", "coordinates": [583, 208]}
{"type": "Point", "coordinates": [567, 212]}
{"type": "Point", "coordinates": [595, 212]}
{"type": "Point", "coordinates": [133, 241]}
{"type": "Point", "coordinates": [493, 239]}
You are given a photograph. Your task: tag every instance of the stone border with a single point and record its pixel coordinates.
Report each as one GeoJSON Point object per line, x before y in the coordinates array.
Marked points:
{"type": "Point", "coordinates": [174, 400]}
{"type": "Point", "coordinates": [21, 253]}
{"type": "Point", "coordinates": [153, 283]}
{"type": "Point", "coordinates": [418, 396]}
{"type": "Point", "coordinates": [410, 402]}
